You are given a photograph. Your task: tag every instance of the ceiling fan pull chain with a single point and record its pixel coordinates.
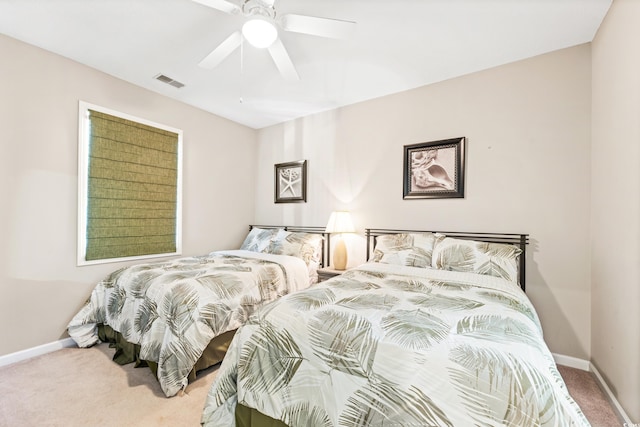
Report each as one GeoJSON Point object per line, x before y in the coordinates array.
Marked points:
{"type": "Point", "coordinates": [241, 67]}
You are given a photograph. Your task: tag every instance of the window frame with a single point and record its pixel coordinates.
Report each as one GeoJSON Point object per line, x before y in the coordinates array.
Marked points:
{"type": "Point", "coordinates": [83, 182]}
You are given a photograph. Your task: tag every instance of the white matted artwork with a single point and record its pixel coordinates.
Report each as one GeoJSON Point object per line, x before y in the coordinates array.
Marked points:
{"type": "Point", "coordinates": [291, 182]}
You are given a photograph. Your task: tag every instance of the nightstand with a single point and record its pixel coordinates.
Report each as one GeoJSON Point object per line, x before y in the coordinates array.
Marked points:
{"type": "Point", "coordinates": [327, 273]}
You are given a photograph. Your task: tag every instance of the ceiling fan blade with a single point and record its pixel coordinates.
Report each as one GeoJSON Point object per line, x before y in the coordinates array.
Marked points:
{"type": "Point", "coordinates": [223, 5]}
{"type": "Point", "coordinates": [223, 50]}
{"type": "Point", "coordinates": [283, 61]}
{"type": "Point", "coordinates": [323, 27]}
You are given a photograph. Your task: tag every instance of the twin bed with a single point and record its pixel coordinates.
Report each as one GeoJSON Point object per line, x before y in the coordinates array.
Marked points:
{"type": "Point", "coordinates": [433, 330]}
{"type": "Point", "coordinates": [179, 316]}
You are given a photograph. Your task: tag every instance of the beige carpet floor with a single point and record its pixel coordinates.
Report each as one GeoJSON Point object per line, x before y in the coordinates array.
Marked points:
{"type": "Point", "coordinates": [587, 393]}
{"type": "Point", "coordinates": [85, 388]}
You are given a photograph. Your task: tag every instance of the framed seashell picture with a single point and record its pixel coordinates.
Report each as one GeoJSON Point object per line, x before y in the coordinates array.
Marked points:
{"type": "Point", "coordinates": [291, 182]}
{"type": "Point", "coordinates": [434, 170]}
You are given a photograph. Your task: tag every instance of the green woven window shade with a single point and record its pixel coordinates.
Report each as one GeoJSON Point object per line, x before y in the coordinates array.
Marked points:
{"type": "Point", "coordinates": [132, 189]}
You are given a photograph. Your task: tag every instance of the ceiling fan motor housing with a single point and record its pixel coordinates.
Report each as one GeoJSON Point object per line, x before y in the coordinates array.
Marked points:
{"type": "Point", "coordinates": [254, 8]}
{"type": "Point", "coordinates": [260, 29]}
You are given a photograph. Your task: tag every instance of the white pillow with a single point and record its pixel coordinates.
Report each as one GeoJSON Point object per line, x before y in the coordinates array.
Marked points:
{"type": "Point", "coordinates": [307, 246]}
{"type": "Point", "coordinates": [492, 259]}
{"type": "Point", "coordinates": [409, 249]}
{"type": "Point", "coordinates": [258, 239]}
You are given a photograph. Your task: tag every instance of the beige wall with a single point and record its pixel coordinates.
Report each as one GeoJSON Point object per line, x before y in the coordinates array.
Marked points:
{"type": "Point", "coordinates": [40, 286]}
{"type": "Point", "coordinates": [528, 165]}
{"type": "Point", "coordinates": [615, 322]}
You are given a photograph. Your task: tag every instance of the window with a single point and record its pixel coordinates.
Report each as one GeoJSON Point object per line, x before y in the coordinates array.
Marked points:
{"type": "Point", "coordinates": [129, 187]}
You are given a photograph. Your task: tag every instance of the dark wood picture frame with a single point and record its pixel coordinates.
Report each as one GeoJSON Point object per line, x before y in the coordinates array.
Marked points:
{"type": "Point", "coordinates": [291, 182]}
{"type": "Point", "coordinates": [434, 170]}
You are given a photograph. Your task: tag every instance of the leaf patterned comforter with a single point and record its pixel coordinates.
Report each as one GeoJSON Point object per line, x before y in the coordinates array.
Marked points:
{"type": "Point", "coordinates": [173, 309]}
{"type": "Point", "coordinates": [385, 345]}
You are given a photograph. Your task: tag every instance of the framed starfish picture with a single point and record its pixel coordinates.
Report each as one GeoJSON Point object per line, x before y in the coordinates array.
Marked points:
{"type": "Point", "coordinates": [291, 182]}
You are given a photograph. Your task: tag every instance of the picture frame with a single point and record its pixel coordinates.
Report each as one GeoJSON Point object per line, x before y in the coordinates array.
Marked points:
{"type": "Point", "coordinates": [291, 182]}
{"type": "Point", "coordinates": [434, 170]}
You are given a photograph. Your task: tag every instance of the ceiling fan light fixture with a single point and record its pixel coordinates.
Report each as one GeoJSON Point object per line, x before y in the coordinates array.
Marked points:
{"type": "Point", "coordinates": [259, 32]}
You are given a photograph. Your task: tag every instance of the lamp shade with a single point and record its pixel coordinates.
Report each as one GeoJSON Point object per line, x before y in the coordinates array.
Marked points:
{"type": "Point", "coordinates": [340, 222]}
{"type": "Point", "coordinates": [260, 32]}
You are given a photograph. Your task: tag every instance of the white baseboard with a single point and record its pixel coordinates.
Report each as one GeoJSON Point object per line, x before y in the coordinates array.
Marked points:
{"type": "Point", "coordinates": [19, 356]}
{"type": "Point", "coordinates": [607, 391]}
{"type": "Point", "coordinates": [585, 365]}
{"type": "Point", "coordinates": [572, 362]}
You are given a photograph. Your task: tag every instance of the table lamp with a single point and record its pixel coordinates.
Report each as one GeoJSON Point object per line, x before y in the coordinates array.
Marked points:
{"type": "Point", "coordinates": [340, 222]}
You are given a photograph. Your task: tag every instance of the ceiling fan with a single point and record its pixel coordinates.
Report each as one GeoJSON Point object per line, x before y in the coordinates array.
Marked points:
{"type": "Point", "coordinates": [261, 30]}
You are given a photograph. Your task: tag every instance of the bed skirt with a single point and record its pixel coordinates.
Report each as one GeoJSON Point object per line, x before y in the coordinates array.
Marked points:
{"type": "Point", "coordinates": [249, 417]}
{"type": "Point", "coordinates": [127, 352]}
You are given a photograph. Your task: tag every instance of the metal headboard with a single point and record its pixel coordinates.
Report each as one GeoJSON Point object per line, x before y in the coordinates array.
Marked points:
{"type": "Point", "coordinates": [520, 240]}
{"type": "Point", "coordinates": [326, 242]}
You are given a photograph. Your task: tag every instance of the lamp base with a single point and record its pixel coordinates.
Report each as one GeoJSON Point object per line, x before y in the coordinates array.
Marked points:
{"type": "Point", "coordinates": [340, 255]}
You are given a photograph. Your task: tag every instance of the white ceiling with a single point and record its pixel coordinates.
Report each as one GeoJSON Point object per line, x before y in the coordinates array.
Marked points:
{"type": "Point", "coordinates": [397, 45]}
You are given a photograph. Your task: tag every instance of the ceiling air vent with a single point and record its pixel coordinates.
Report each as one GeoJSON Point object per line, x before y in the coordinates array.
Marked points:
{"type": "Point", "coordinates": [169, 81]}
